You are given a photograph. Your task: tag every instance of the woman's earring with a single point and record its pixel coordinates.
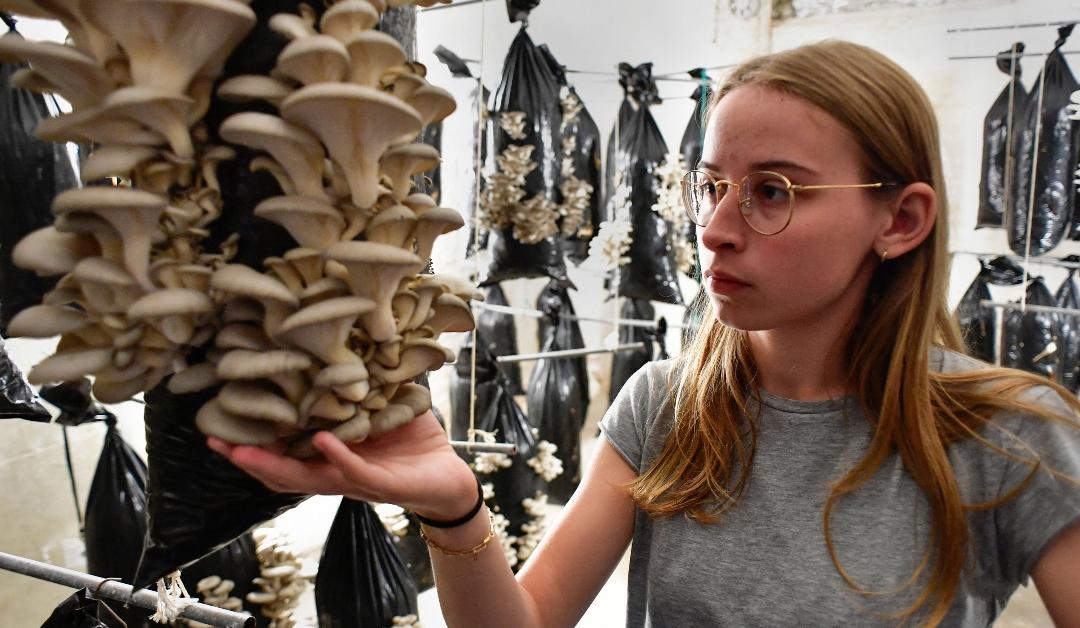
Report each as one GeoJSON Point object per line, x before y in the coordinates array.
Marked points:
{"type": "Point", "coordinates": [885, 255]}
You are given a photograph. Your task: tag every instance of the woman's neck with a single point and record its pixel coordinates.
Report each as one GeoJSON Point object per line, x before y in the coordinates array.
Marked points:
{"type": "Point", "coordinates": [806, 363]}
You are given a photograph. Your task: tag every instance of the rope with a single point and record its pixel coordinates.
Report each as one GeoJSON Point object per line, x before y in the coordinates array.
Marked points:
{"type": "Point", "coordinates": [480, 106]}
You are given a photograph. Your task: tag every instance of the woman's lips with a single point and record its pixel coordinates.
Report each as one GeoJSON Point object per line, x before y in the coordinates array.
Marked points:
{"type": "Point", "coordinates": [722, 284]}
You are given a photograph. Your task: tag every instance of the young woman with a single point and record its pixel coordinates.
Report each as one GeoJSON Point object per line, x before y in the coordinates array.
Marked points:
{"type": "Point", "coordinates": [823, 454]}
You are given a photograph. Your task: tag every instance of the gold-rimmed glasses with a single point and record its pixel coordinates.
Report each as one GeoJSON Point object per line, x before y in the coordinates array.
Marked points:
{"type": "Point", "coordinates": [766, 199]}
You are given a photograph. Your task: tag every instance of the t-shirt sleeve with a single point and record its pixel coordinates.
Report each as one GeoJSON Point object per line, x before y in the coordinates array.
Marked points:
{"type": "Point", "coordinates": [624, 423]}
{"type": "Point", "coordinates": [1051, 502]}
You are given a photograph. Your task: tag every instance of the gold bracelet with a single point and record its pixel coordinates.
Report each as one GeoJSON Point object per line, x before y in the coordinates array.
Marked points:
{"type": "Point", "coordinates": [473, 551]}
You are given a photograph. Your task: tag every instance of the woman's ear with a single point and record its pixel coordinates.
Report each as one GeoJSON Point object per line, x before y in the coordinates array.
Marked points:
{"type": "Point", "coordinates": [912, 215]}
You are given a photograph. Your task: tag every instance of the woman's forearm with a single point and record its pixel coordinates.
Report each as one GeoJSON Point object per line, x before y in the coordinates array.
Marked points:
{"type": "Point", "coordinates": [478, 590]}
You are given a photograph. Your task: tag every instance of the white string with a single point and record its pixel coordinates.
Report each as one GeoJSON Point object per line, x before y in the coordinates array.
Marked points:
{"type": "Point", "coordinates": [612, 216]}
{"type": "Point", "coordinates": [481, 105]}
{"type": "Point", "coordinates": [1014, 63]}
{"type": "Point", "coordinates": [1031, 197]}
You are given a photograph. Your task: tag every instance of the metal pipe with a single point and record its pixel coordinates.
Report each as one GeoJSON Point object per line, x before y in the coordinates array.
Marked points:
{"type": "Point", "coordinates": [1030, 307]}
{"type": "Point", "coordinates": [625, 322]}
{"type": "Point", "coordinates": [971, 29]}
{"type": "Point", "coordinates": [101, 587]}
{"type": "Point", "coordinates": [567, 353]}
{"type": "Point", "coordinates": [1017, 56]}
{"type": "Point", "coordinates": [1018, 258]}
{"type": "Point", "coordinates": [484, 448]}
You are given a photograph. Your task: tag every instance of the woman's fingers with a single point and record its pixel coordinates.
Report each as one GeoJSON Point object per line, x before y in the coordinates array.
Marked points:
{"type": "Point", "coordinates": [364, 475]}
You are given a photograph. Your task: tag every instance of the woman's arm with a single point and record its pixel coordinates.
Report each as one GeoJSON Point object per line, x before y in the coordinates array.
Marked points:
{"type": "Point", "coordinates": [415, 467]}
{"type": "Point", "coordinates": [1057, 577]}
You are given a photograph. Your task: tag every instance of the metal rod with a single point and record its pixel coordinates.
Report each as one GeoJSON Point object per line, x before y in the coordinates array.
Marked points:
{"type": "Point", "coordinates": [457, 3]}
{"type": "Point", "coordinates": [1018, 258]}
{"type": "Point", "coordinates": [625, 322]}
{"type": "Point", "coordinates": [567, 353]}
{"type": "Point", "coordinates": [1030, 307]}
{"type": "Point", "coordinates": [485, 448]}
{"type": "Point", "coordinates": [971, 29]}
{"type": "Point", "coordinates": [101, 587]}
{"type": "Point", "coordinates": [1022, 54]}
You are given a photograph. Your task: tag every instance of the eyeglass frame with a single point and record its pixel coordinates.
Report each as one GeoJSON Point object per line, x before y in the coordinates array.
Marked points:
{"type": "Point", "coordinates": [792, 188]}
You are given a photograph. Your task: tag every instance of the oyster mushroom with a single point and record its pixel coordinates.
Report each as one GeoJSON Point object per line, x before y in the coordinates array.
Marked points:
{"type": "Point", "coordinates": [321, 404]}
{"type": "Point", "coordinates": [312, 60]}
{"type": "Point", "coordinates": [285, 272]}
{"type": "Point", "coordinates": [243, 336]}
{"type": "Point", "coordinates": [106, 286]}
{"type": "Point", "coordinates": [307, 262]}
{"type": "Point", "coordinates": [46, 321]}
{"type": "Point", "coordinates": [132, 213]}
{"type": "Point", "coordinates": [299, 153]}
{"type": "Point", "coordinates": [252, 401]}
{"type": "Point", "coordinates": [451, 314]}
{"type": "Point", "coordinates": [108, 239]}
{"type": "Point", "coordinates": [427, 288]}
{"type": "Point", "coordinates": [48, 252]}
{"type": "Point", "coordinates": [169, 42]}
{"type": "Point", "coordinates": [375, 271]}
{"type": "Point", "coordinates": [83, 34]}
{"type": "Point", "coordinates": [213, 420]}
{"type": "Point", "coordinates": [323, 329]}
{"type": "Point", "coordinates": [432, 223]}
{"type": "Point", "coordinates": [415, 396]}
{"type": "Point", "coordinates": [393, 226]}
{"type": "Point", "coordinates": [390, 418]}
{"type": "Point", "coordinates": [74, 75]}
{"type": "Point", "coordinates": [356, 124]}
{"type": "Point", "coordinates": [433, 103]}
{"type": "Point", "coordinates": [262, 163]}
{"type": "Point", "coordinates": [253, 87]}
{"type": "Point", "coordinates": [353, 430]}
{"type": "Point", "coordinates": [312, 223]}
{"type": "Point", "coordinates": [193, 379]}
{"type": "Point", "coordinates": [117, 160]}
{"type": "Point", "coordinates": [348, 18]}
{"type": "Point", "coordinates": [239, 280]}
{"type": "Point", "coordinates": [418, 356]}
{"type": "Point", "coordinates": [282, 367]}
{"type": "Point", "coordinates": [293, 27]}
{"type": "Point", "coordinates": [175, 312]}
{"type": "Point", "coordinates": [160, 111]}
{"type": "Point", "coordinates": [404, 306]}
{"type": "Point", "coordinates": [349, 380]}
{"type": "Point", "coordinates": [401, 163]}
{"type": "Point", "coordinates": [66, 366]}
{"type": "Point", "coordinates": [403, 81]}
{"type": "Point", "coordinates": [372, 53]}
{"type": "Point", "coordinates": [419, 202]}
{"type": "Point", "coordinates": [323, 289]}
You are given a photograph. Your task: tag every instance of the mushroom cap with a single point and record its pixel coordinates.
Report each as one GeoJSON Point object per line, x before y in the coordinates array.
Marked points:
{"type": "Point", "coordinates": [392, 226]}
{"type": "Point", "coordinates": [160, 111]}
{"type": "Point", "coordinates": [390, 418]}
{"type": "Point", "coordinates": [170, 302]}
{"type": "Point", "coordinates": [298, 152]}
{"type": "Point", "coordinates": [372, 53]}
{"type": "Point", "coordinates": [432, 223]}
{"type": "Point", "coordinates": [356, 124]}
{"type": "Point", "coordinates": [243, 336]}
{"type": "Point", "coordinates": [325, 288]}
{"type": "Point", "coordinates": [169, 42]}
{"type": "Point", "coordinates": [92, 199]}
{"type": "Point", "coordinates": [371, 253]}
{"type": "Point", "coordinates": [244, 364]}
{"type": "Point", "coordinates": [401, 163]}
{"type": "Point", "coordinates": [116, 160]}
{"type": "Point", "coordinates": [313, 59]}
{"type": "Point", "coordinates": [419, 202]}
{"type": "Point", "coordinates": [193, 379]}
{"type": "Point", "coordinates": [325, 312]}
{"type": "Point", "coordinates": [355, 429]}
{"type": "Point", "coordinates": [47, 251]}
{"type": "Point", "coordinates": [341, 375]}
{"type": "Point", "coordinates": [70, 365]}
{"type": "Point", "coordinates": [237, 279]}
{"type": "Point", "coordinates": [75, 75]}
{"type": "Point", "coordinates": [414, 396]}
{"type": "Point", "coordinates": [256, 402]}
{"type": "Point", "coordinates": [347, 18]}
{"type": "Point", "coordinates": [418, 356]}
{"type": "Point", "coordinates": [292, 26]}
{"type": "Point", "coordinates": [433, 103]}
{"type": "Point", "coordinates": [249, 87]}
{"type": "Point", "coordinates": [213, 420]}
{"type": "Point", "coordinates": [452, 314]}
{"type": "Point", "coordinates": [45, 321]}
{"type": "Point", "coordinates": [311, 222]}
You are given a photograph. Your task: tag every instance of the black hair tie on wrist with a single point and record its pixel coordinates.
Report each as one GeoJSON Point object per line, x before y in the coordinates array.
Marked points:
{"type": "Point", "coordinates": [457, 522]}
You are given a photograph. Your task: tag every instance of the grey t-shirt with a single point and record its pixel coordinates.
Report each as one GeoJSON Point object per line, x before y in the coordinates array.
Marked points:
{"type": "Point", "coordinates": [765, 562]}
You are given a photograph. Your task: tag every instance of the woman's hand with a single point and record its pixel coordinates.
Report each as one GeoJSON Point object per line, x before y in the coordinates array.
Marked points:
{"type": "Point", "coordinates": [413, 466]}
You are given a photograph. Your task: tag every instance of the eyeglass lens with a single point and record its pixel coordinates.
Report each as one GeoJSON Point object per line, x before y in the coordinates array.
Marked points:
{"type": "Point", "coordinates": [764, 199]}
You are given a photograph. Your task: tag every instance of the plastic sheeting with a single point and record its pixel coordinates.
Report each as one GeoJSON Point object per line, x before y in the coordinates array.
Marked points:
{"type": "Point", "coordinates": [1032, 339]}
{"type": "Point", "coordinates": [32, 172]}
{"type": "Point", "coordinates": [77, 406]}
{"type": "Point", "coordinates": [526, 122]}
{"type": "Point", "coordinates": [500, 332]}
{"type": "Point", "coordinates": [976, 321]}
{"type": "Point", "coordinates": [558, 395]}
{"type": "Point", "coordinates": [626, 363]}
{"type": "Point", "coordinates": [1068, 296]}
{"type": "Point", "coordinates": [80, 610]}
{"type": "Point", "coordinates": [995, 188]}
{"type": "Point", "coordinates": [17, 399]}
{"type": "Point", "coordinates": [1045, 162]}
{"type": "Point", "coordinates": [633, 189]}
{"type": "Point", "coordinates": [362, 581]}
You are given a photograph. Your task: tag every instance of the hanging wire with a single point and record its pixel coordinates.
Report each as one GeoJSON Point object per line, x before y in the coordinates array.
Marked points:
{"type": "Point", "coordinates": [1018, 55]}
{"type": "Point", "coordinates": [480, 107]}
{"type": "Point", "coordinates": [1031, 198]}
{"type": "Point", "coordinates": [972, 29]}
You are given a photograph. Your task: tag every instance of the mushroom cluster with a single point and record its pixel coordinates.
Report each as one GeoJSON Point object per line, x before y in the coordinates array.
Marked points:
{"type": "Point", "coordinates": [134, 293]}
{"type": "Point", "coordinates": [577, 194]}
{"type": "Point", "coordinates": [215, 591]}
{"type": "Point", "coordinates": [280, 580]}
{"type": "Point", "coordinates": [669, 206]}
{"type": "Point", "coordinates": [331, 334]}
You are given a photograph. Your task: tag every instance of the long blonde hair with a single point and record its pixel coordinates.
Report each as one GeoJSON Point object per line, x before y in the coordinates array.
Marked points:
{"type": "Point", "coordinates": [704, 465]}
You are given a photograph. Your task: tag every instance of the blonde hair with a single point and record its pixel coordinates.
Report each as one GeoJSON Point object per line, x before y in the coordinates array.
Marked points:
{"type": "Point", "coordinates": [704, 465]}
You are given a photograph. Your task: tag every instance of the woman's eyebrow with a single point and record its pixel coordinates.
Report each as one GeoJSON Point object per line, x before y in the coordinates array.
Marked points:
{"type": "Point", "coordinates": [772, 164]}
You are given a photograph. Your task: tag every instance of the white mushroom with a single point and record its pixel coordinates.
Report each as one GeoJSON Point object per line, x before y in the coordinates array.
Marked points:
{"type": "Point", "coordinates": [348, 380]}
{"type": "Point", "coordinates": [451, 314]}
{"type": "Point", "coordinates": [314, 59]}
{"type": "Point", "coordinates": [323, 329]}
{"type": "Point", "coordinates": [393, 226]}
{"type": "Point", "coordinates": [401, 163]}
{"type": "Point", "coordinates": [371, 54]}
{"type": "Point", "coordinates": [249, 400]}
{"type": "Point", "coordinates": [299, 153]}
{"type": "Point", "coordinates": [47, 251]}
{"type": "Point", "coordinates": [213, 420]}
{"type": "Point", "coordinates": [356, 124]}
{"type": "Point", "coordinates": [312, 223]}
{"type": "Point", "coordinates": [132, 213]}
{"type": "Point", "coordinates": [418, 356]}
{"type": "Point", "coordinates": [193, 379]}
{"type": "Point", "coordinates": [66, 366]}
{"type": "Point", "coordinates": [249, 87]}
{"type": "Point", "coordinates": [348, 18]}
{"type": "Point", "coordinates": [74, 75]}
{"type": "Point", "coordinates": [375, 272]}
{"type": "Point", "coordinates": [432, 223]}
{"type": "Point", "coordinates": [118, 160]}
{"type": "Point", "coordinates": [239, 280]}
{"type": "Point", "coordinates": [390, 418]}
{"type": "Point", "coordinates": [175, 312]}
{"type": "Point", "coordinates": [106, 286]}
{"type": "Point", "coordinates": [433, 103]}
{"type": "Point", "coordinates": [46, 321]}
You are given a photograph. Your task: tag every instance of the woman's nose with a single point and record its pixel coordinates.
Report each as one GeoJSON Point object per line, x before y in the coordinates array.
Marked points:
{"type": "Point", "coordinates": [726, 227]}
